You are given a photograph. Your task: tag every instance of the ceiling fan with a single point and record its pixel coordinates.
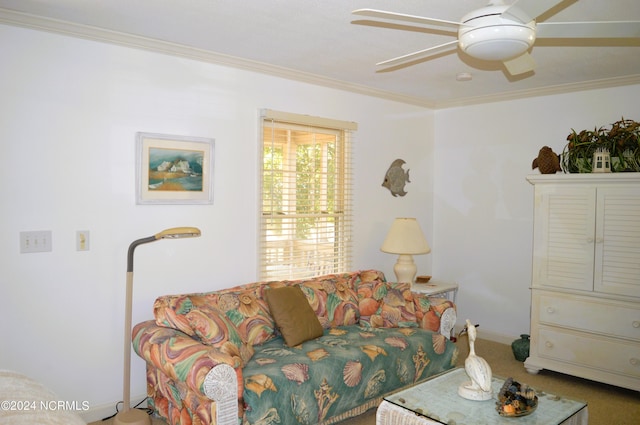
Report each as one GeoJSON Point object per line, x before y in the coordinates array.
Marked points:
{"type": "Point", "coordinates": [505, 33]}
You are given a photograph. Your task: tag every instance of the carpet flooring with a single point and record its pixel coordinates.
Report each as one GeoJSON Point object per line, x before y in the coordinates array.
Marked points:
{"type": "Point", "coordinates": [608, 405]}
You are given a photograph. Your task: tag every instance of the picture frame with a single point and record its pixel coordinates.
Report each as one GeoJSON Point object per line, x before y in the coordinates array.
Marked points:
{"type": "Point", "coordinates": [174, 169]}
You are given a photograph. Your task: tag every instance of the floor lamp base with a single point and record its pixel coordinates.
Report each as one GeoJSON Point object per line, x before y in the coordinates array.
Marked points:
{"type": "Point", "coordinates": [132, 417]}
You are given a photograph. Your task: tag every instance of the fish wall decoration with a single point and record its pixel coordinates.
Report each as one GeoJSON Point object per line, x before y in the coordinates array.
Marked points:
{"type": "Point", "coordinates": [396, 177]}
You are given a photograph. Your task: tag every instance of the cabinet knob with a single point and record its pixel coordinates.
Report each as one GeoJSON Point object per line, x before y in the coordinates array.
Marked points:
{"type": "Point", "coordinates": [590, 240]}
{"type": "Point", "coordinates": [634, 361]}
{"type": "Point", "coordinates": [636, 324]}
{"type": "Point", "coordinates": [549, 344]}
{"type": "Point", "coordinates": [551, 310]}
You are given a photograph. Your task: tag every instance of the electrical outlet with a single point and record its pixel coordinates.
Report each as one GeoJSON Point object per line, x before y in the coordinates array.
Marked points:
{"type": "Point", "coordinates": [38, 241]}
{"type": "Point", "coordinates": [82, 240]}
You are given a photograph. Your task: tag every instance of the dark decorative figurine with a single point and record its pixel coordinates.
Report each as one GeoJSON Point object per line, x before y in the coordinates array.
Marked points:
{"type": "Point", "coordinates": [547, 161]}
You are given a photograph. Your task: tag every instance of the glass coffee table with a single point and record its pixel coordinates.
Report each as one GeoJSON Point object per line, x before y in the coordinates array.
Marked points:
{"type": "Point", "coordinates": [436, 401]}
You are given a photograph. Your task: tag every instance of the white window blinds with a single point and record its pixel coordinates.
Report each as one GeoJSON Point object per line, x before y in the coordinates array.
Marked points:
{"type": "Point", "coordinates": [305, 216]}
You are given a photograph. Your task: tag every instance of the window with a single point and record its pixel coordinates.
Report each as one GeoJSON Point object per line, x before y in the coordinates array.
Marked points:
{"type": "Point", "coordinates": [305, 220]}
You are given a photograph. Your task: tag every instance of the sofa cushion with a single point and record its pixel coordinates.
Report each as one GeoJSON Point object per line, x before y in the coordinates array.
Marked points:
{"type": "Point", "coordinates": [214, 328]}
{"type": "Point", "coordinates": [386, 304]}
{"type": "Point", "coordinates": [333, 298]}
{"type": "Point", "coordinates": [169, 312]}
{"type": "Point", "coordinates": [197, 316]}
{"type": "Point", "coordinates": [247, 309]}
{"type": "Point", "coordinates": [294, 317]}
{"type": "Point", "coordinates": [346, 368]}
{"type": "Point", "coordinates": [430, 309]}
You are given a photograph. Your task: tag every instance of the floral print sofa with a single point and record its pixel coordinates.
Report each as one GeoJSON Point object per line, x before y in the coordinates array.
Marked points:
{"type": "Point", "coordinates": [219, 358]}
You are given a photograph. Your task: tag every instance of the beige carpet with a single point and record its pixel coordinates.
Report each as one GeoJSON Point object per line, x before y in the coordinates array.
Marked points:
{"type": "Point", "coordinates": [608, 405]}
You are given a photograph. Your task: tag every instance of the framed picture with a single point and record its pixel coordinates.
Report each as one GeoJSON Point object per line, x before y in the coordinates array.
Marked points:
{"type": "Point", "coordinates": [174, 169]}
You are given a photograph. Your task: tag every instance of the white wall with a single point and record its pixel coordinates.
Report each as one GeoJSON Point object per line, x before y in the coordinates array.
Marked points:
{"type": "Point", "coordinates": [69, 112]}
{"type": "Point", "coordinates": [483, 206]}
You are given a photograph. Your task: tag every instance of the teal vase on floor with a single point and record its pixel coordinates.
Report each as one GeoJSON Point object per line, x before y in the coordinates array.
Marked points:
{"type": "Point", "coordinates": [520, 347]}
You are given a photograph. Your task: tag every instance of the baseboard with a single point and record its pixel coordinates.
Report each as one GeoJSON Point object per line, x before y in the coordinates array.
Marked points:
{"type": "Point", "coordinates": [488, 335]}
{"type": "Point", "coordinates": [97, 413]}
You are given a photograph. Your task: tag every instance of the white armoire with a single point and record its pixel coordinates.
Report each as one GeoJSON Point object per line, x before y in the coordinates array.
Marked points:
{"type": "Point", "coordinates": [585, 288]}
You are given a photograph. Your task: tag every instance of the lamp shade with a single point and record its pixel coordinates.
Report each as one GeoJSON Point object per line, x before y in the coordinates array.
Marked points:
{"type": "Point", "coordinates": [405, 237]}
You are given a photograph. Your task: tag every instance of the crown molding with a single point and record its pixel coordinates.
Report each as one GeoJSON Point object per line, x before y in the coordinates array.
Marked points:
{"type": "Point", "coordinates": [11, 17]}
{"type": "Point", "coordinates": [87, 32]}
{"type": "Point", "coordinates": [544, 91]}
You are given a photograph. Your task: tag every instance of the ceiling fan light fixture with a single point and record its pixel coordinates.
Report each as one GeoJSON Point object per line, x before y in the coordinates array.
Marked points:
{"type": "Point", "coordinates": [497, 42]}
{"type": "Point", "coordinates": [489, 35]}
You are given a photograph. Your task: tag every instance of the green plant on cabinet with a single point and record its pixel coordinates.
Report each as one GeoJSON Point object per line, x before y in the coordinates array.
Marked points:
{"type": "Point", "coordinates": [622, 141]}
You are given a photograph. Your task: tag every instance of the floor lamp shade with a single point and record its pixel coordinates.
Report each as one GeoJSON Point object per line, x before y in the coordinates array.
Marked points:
{"type": "Point", "coordinates": [406, 239]}
{"type": "Point", "coordinates": [130, 416]}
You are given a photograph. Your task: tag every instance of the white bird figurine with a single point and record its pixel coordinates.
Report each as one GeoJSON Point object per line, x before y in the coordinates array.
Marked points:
{"type": "Point", "coordinates": [477, 368]}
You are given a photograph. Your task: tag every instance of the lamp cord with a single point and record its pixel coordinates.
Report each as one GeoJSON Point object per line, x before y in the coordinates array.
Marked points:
{"type": "Point", "coordinates": [147, 409]}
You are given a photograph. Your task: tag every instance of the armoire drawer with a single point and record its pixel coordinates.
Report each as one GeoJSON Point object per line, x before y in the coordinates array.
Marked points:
{"type": "Point", "coordinates": [589, 350]}
{"type": "Point", "coordinates": [603, 316]}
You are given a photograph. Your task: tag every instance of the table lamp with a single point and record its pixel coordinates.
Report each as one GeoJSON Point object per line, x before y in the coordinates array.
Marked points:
{"type": "Point", "coordinates": [130, 416]}
{"type": "Point", "coordinates": [406, 239]}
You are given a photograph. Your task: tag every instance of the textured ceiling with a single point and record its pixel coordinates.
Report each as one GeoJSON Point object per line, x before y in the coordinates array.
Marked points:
{"type": "Point", "coordinates": [316, 41]}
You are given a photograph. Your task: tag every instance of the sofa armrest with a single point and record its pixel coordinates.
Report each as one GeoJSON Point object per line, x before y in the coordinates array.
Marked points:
{"type": "Point", "coordinates": [221, 385]}
{"type": "Point", "coordinates": [435, 313]}
{"type": "Point", "coordinates": [185, 359]}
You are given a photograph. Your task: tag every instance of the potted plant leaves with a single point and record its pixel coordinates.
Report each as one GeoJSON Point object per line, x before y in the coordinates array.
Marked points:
{"type": "Point", "coordinates": [622, 141]}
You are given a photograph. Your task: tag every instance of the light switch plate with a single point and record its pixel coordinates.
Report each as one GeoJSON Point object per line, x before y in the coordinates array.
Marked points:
{"type": "Point", "coordinates": [82, 240]}
{"type": "Point", "coordinates": [35, 241]}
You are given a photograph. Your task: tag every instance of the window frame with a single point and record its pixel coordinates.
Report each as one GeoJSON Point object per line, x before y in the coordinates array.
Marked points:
{"type": "Point", "coordinates": [291, 257]}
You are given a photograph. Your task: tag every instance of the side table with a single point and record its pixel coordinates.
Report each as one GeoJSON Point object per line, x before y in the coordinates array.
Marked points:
{"type": "Point", "coordinates": [437, 287]}
{"type": "Point", "coordinates": [448, 290]}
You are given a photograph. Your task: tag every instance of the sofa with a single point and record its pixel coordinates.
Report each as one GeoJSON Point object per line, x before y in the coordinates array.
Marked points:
{"type": "Point", "coordinates": [243, 355]}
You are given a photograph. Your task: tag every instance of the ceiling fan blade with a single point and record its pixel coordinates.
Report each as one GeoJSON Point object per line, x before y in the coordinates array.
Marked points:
{"type": "Point", "coordinates": [527, 10]}
{"type": "Point", "coordinates": [373, 13]}
{"type": "Point", "coordinates": [400, 60]}
{"type": "Point", "coordinates": [610, 29]}
{"type": "Point", "coordinates": [520, 64]}
{"type": "Point", "coordinates": [451, 32]}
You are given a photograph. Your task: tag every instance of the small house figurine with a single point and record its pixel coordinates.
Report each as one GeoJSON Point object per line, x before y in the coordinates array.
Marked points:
{"type": "Point", "coordinates": [601, 161]}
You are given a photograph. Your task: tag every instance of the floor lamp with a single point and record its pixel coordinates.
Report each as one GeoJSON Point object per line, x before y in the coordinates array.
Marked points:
{"type": "Point", "coordinates": [130, 416]}
{"type": "Point", "coordinates": [406, 239]}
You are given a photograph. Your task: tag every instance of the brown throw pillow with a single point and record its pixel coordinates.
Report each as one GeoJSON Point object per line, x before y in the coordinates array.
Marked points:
{"type": "Point", "coordinates": [293, 315]}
